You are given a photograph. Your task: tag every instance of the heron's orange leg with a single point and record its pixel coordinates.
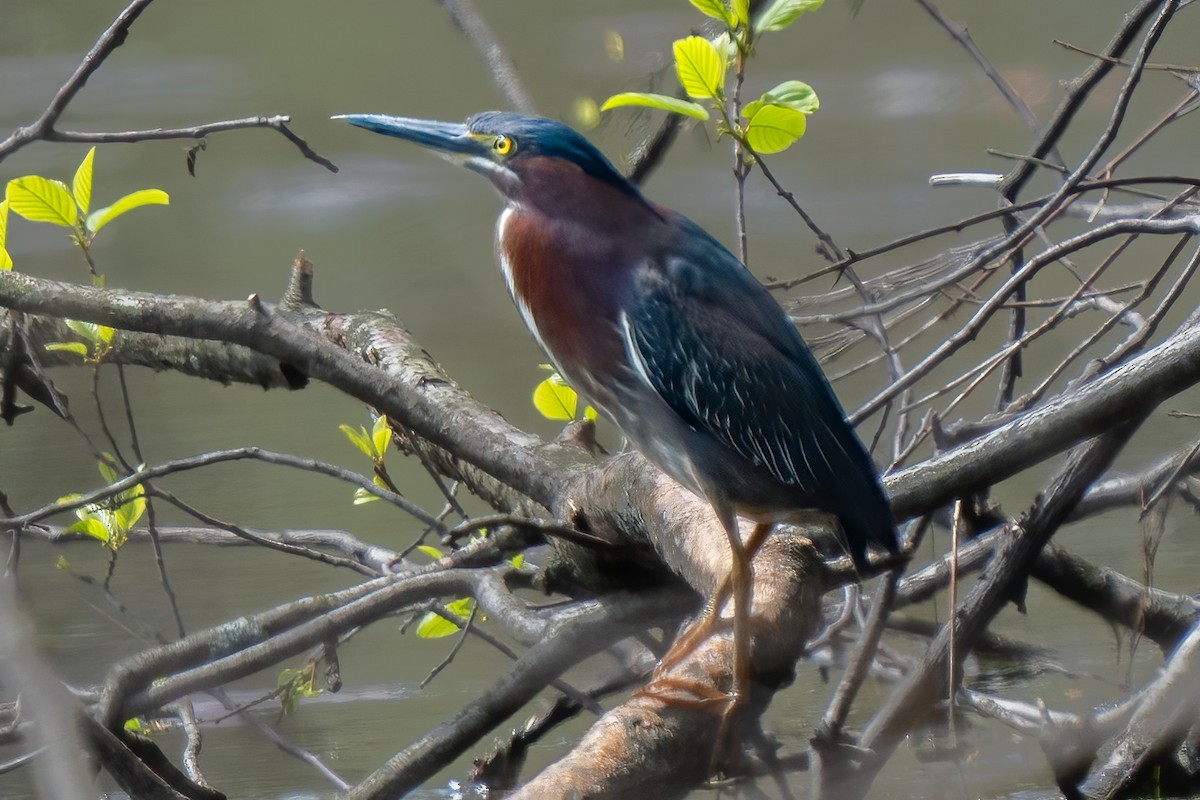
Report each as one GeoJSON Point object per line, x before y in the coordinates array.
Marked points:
{"type": "Point", "coordinates": [738, 583]}
{"type": "Point", "coordinates": [702, 628]}
{"type": "Point", "coordinates": [741, 580]}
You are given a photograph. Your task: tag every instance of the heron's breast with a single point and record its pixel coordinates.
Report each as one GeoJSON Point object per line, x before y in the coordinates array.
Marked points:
{"type": "Point", "coordinates": [566, 281]}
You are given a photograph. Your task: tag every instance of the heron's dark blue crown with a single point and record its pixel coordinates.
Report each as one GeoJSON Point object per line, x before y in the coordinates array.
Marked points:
{"type": "Point", "coordinates": [546, 137]}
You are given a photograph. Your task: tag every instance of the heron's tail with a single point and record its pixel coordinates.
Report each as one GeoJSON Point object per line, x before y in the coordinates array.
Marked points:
{"type": "Point", "coordinates": [866, 520]}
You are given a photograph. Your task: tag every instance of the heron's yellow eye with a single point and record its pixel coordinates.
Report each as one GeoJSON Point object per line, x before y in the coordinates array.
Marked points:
{"type": "Point", "coordinates": [503, 145]}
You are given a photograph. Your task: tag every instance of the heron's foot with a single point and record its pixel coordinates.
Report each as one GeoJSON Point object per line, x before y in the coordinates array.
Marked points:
{"type": "Point", "coordinates": [686, 693]}
{"type": "Point", "coordinates": [702, 696]}
{"type": "Point", "coordinates": [726, 745]}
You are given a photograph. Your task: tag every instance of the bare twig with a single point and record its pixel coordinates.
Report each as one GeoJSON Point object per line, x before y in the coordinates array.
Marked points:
{"type": "Point", "coordinates": [499, 66]}
{"type": "Point", "coordinates": [921, 689]}
{"type": "Point", "coordinates": [464, 629]}
{"type": "Point", "coordinates": [218, 457]}
{"type": "Point", "coordinates": [43, 128]}
{"type": "Point", "coordinates": [996, 301]}
{"type": "Point", "coordinates": [1080, 90]}
{"type": "Point", "coordinates": [109, 41]}
{"type": "Point", "coordinates": [961, 35]}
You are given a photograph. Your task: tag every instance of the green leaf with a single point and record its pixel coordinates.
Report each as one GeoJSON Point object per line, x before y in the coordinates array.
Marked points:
{"type": "Point", "coordinates": [362, 497]}
{"type": "Point", "coordinates": [555, 399]}
{"type": "Point", "coordinates": [133, 724]}
{"type": "Point", "coordinates": [461, 608]}
{"type": "Point", "coordinates": [81, 187]}
{"type": "Point", "coordinates": [381, 434]}
{"type": "Point", "coordinates": [700, 68]}
{"type": "Point", "coordinates": [40, 200]}
{"type": "Point", "coordinates": [793, 94]}
{"type": "Point", "coordinates": [715, 9]}
{"type": "Point", "coordinates": [591, 413]}
{"type": "Point", "coordinates": [517, 560]}
{"type": "Point", "coordinates": [78, 348]}
{"type": "Point", "coordinates": [773, 129]}
{"type": "Point", "coordinates": [434, 626]}
{"type": "Point", "coordinates": [86, 330]}
{"type": "Point", "coordinates": [6, 261]}
{"type": "Point", "coordinates": [105, 333]}
{"type": "Point", "coordinates": [432, 552]}
{"type": "Point", "coordinates": [797, 95]}
{"type": "Point", "coordinates": [651, 100]}
{"type": "Point", "coordinates": [93, 527]}
{"type": "Point", "coordinates": [741, 13]}
{"type": "Point", "coordinates": [106, 471]}
{"type": "Point", "coordinates": [131, 510]}
{"type": "Point", "coordinates": [61, 563]}
{"type": "Point", "coordinates": [782, 13]}
{"type": "Point", "coordinates": [101, 217]}
{"type": "Point", "coordinates": [358, 438]}
{"type": "Point", "coordinates": [294, 684]}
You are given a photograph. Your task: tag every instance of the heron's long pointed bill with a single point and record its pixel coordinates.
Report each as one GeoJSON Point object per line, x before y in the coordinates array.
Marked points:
{"type": "Point", "coordinates": [449, 139]}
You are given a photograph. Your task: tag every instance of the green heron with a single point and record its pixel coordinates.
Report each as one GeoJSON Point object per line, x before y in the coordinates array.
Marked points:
{"type": "Point", "coordinates": [670, 336]}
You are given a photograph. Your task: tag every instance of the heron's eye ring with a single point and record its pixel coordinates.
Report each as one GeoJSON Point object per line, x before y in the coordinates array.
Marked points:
{"type": "Point", "coordinates": [503, 145]}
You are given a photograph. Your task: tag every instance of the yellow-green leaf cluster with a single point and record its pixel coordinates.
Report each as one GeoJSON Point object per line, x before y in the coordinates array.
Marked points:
{"type": "Point", "coordinates": [373, 445]}
{"type": "Point", "coordinates": [774, 121]}
{"type": "Point", "coordinates": [109, 521]}
{"type": "Point", "coordinates": [294, 684]}
{"type": "Point", "coordinates": [100, 338]}
{"type": "Point", "coordinates": [40, 199]}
